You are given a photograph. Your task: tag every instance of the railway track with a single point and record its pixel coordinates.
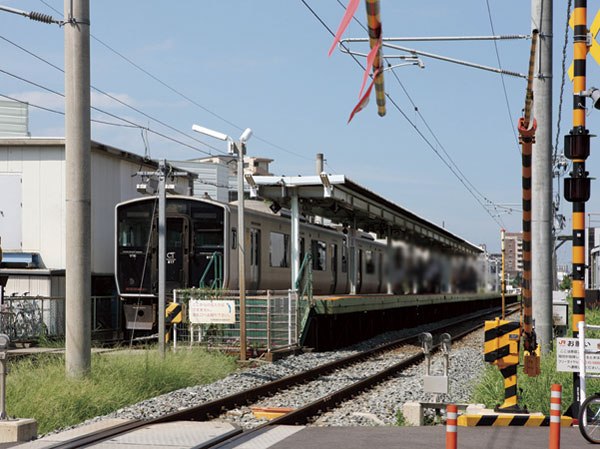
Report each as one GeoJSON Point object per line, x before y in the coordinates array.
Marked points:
{"type": "Point", "coordinates": [302, 414]}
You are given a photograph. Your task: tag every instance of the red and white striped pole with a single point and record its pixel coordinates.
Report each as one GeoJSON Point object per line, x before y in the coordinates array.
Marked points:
{"type": "Point", "coordinates": [451, 419]}
{"type": "Point", "coordinates": [555, 400]}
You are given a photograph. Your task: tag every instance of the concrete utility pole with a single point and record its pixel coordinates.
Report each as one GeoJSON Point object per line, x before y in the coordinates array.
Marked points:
{"type": "Point", "coordinates": [162, 254]}
{"type": "Point", "coordinates": [78, 188]}
{"type": "Point", "coordinates": [542, 245]}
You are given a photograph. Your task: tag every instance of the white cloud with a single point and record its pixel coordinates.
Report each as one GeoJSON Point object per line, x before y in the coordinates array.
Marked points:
{"type": "Point", "coordinates": [44, 99]}
{"type": "Point", "coordinates": [102, 101]}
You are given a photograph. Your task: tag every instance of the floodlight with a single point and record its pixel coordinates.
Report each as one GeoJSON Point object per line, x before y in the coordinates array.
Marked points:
{"type": "Point", "coordinates": [594, 94]}
{"type": "Point", "coordinates": [246, 135]}
{"type": "Point", "coordinates": [210, 132]}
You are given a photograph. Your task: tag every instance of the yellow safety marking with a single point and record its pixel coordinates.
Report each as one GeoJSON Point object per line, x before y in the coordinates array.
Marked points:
{"type": "Point", "coordinates": [594, 49]}
{"type": "Point", "coordinates": [507, 420]}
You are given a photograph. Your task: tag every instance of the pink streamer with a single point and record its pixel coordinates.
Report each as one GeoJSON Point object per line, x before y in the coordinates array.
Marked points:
{"type": "Point", "coordinates": [350, 10]}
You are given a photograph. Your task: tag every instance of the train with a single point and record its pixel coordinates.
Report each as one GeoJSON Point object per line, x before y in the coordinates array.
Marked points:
{"type": "Point", "coordinates": [201, 250]}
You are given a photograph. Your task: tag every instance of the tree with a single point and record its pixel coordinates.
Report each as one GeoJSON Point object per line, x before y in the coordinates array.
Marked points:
{"type": "Point", "coordinates": [565, 284]}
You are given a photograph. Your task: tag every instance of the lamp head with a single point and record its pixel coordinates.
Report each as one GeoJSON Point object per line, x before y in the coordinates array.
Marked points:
{"type": "Point", "coordinates": [594, 94]}
{"type": "Point", "coordinates": [246, 135]}
{"type": "Point", "coordinates": [210, 132]}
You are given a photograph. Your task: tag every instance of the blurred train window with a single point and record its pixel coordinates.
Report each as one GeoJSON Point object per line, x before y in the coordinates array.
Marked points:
{"type": "Point", "coordinates": [233, 238]}
{"type": "Point", "coordinates": [208, 238]}
{"type": "Point", "coordinates": [369, 262]}
{"type": "Point", "coordinates": [279, 250]}
{"type": "Point", "coordinates": [319, 255]}
{"type": "Point", "coordinates": [333, 258]}
{"type": "Point", "coordinates": [344, 259]}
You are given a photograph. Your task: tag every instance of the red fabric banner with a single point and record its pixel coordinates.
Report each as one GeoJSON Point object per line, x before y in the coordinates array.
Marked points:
{"type": "Point", "coordinates": [364, 101]}
{"type": "Point", "coordinates": [370, 59]}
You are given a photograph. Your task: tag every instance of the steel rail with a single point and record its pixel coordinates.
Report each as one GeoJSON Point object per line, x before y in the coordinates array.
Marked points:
{"type": "Point", "coordinates": [304, 414]}
{"type": "Point", "coordinates": [211, 409]}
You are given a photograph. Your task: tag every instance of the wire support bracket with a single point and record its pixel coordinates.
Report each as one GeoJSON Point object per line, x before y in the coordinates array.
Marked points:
{"type": "Point", "coordinates": [414, 52]}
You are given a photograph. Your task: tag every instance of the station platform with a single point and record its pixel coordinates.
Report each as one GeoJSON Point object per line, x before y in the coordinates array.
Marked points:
{"type": "Point", "coordinates": [188, 434]}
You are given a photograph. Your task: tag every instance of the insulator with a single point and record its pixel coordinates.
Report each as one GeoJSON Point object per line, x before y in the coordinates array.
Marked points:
{"type": "Point", "coordinates": [40, 17]}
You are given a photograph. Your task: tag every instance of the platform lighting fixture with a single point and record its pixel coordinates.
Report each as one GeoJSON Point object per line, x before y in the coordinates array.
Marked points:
{"type": "Point", "coordinates": [240, 149]}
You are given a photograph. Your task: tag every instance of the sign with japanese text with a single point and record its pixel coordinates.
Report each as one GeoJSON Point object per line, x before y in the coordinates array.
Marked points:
{"type": "Point", "coordinates": [567, 355]}
{"type": "Point", "coordinates": [212, 311]}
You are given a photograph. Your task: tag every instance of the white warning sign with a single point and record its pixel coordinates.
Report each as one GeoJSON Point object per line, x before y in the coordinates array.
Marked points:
{"type": "Point", "coordinates": [567, 355]}
{"type": "Point", "coordinates": [212, 311]}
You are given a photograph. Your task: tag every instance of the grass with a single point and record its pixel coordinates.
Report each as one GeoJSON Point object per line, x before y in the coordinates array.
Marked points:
{"type": "Point", "coordinates": [38, 388]}
{"type": "Point", "coordinates": [534, 393]}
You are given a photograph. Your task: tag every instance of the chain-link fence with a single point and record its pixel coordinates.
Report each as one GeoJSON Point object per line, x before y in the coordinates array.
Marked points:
{"type": "Point", "coordinates": [272, 320]}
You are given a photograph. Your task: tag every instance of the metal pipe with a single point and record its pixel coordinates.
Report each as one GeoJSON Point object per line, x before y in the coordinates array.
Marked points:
{"type": "Point", "coordinates": [241, 147]}
{"type": "Point", "coordinates": [440, 38]}
{"type": "Point", "coordinates": [162, 255]}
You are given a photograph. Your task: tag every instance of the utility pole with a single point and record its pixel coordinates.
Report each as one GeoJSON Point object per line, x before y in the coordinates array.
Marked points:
{"type": "Point", "coordinates": [542, 245]}
{"type": "Point", "coordinates": [162, 255]}
{"type": "Point", "coordinates": [577, 186]}
{"type": "Point", "coordinates": [240, 148]}
{"type": "Point", "coordinates": [78, 188]}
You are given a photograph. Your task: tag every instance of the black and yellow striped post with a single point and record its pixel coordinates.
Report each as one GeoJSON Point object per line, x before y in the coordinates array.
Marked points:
{"type": "Point", "coordinates": [501, 347]}
{"type": "Point", "coordinates": [527, 128]}
{"type": "Point", "coordinates": [374, 24]}
{"type": "Point", "coordinates": [577, 186]}
{"type": "Point", "coordinates": [173, 314]}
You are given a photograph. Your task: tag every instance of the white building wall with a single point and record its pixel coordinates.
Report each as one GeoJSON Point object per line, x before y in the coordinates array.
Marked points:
{"type": "Point", "coordinates": [42, 168]}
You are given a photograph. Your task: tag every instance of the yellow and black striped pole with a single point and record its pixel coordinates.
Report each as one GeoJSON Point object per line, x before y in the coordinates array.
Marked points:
{"type": "Point", "coordinates": [374, 23]}
{"type": "Point", "coordinates": [527, 129]}
{"type": "Point", "coordinates": [577, 186]}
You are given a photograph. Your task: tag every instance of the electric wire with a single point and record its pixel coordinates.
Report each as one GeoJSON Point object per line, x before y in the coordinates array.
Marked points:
{"type": "Point", "coordinates": [510, 117]}
{"type": "Point", "coordinates": [109, 114]}
{"type": "Point", "coordinates": [182, 95]}
{"type": "Point", "coordinates": [490, 203]}
{"type": "Point", "coordinates": [112, 97]}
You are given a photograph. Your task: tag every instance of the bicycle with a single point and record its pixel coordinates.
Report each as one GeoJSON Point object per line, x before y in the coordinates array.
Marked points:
{"type": "Point", "coordinates": [589, 418]}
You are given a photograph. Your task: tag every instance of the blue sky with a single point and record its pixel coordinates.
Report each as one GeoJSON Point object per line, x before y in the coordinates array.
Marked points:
{"type": "Point", "coordinates": [264, 65]}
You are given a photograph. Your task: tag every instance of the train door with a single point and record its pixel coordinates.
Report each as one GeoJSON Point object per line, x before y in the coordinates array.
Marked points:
{"type": "Point", "coordinates": [359, 271]}
{"type": "Point", "coordinates": [177, 249]}
{"type": "Point", "coordinates": [254, 258]}
{"type": "Point", "coordinates": [334, 256]}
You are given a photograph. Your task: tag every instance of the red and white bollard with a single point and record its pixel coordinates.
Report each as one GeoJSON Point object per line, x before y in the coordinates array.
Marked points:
{"type": "Point", "coordinates": [555, 400]}
{"type": "Point", "coordinates": [451, 420]}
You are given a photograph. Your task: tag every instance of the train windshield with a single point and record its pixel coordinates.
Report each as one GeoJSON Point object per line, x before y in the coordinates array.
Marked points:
{"type": "Point", "coordinates": [135, 247]}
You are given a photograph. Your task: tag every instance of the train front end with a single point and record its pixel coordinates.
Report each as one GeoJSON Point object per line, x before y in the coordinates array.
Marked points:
{"type": "Point", "coordinates": [195, 252]}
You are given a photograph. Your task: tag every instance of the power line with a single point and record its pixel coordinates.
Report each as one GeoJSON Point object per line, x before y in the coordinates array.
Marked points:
{"type": "Point", "coordinates": [510, 117]}
{"type": "Point", "coordinates": [462, 175]}
{"type": "Point", "coordinates": [182, 95]}
{"type": "Point", "coordinates": [109, 114]}
{"type": "Point", "coordinates": [112, 97]}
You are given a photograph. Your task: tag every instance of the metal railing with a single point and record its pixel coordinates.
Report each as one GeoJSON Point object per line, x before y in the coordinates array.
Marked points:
{"type": "Point", "coordinates": [216, 263]}
{"type": "Point", "coordinates": [271, 321]}
{"type": "Point", "coordinates": [25, 318]}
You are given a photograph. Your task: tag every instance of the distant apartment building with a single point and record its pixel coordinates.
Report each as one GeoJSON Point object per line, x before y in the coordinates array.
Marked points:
{"type": "Point", "coordinates": [513, 254]}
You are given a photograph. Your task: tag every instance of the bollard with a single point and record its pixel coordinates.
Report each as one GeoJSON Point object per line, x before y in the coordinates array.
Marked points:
{"type": "Point", "coordinates": [555, 400]}
{"type": "Point", "coordinates": [451, 419]}
{"type": "Point", "coordinates": [4, 343]}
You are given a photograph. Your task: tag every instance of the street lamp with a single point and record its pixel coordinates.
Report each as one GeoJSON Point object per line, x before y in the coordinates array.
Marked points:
{"type": "Point", "coordinates": [240, 149]}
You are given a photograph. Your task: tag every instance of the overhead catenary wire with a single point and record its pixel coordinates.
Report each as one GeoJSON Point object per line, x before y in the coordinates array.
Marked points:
{"type": "Point", "coordinates": [462, 178]}
{"type": "Point", "coordinates": [182, 95]}
{"type": "Point", "coordinates": [512, 122]}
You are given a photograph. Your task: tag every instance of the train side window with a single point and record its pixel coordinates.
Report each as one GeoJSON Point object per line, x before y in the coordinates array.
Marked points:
{"type": "Point", "coordinates": [319, 255]}
{"type": "Point", "coordinates": [333, 258]}
{"type": "Point", "coordinates": [233, 238]}
{"type": "Point", "coordinates": [279, 250]}
{"type": "Point", "coordinates": [344, 259]}
{"type": "Point", "coordinates": [369, 262]}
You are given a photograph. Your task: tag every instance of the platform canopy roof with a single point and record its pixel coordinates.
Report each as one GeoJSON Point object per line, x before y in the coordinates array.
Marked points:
{"type": "Point", "coordinates": [343, 201]}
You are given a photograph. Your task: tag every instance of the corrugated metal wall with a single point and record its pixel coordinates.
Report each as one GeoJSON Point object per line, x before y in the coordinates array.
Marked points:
{"type": "Point", "coordinates": [14, 120]}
